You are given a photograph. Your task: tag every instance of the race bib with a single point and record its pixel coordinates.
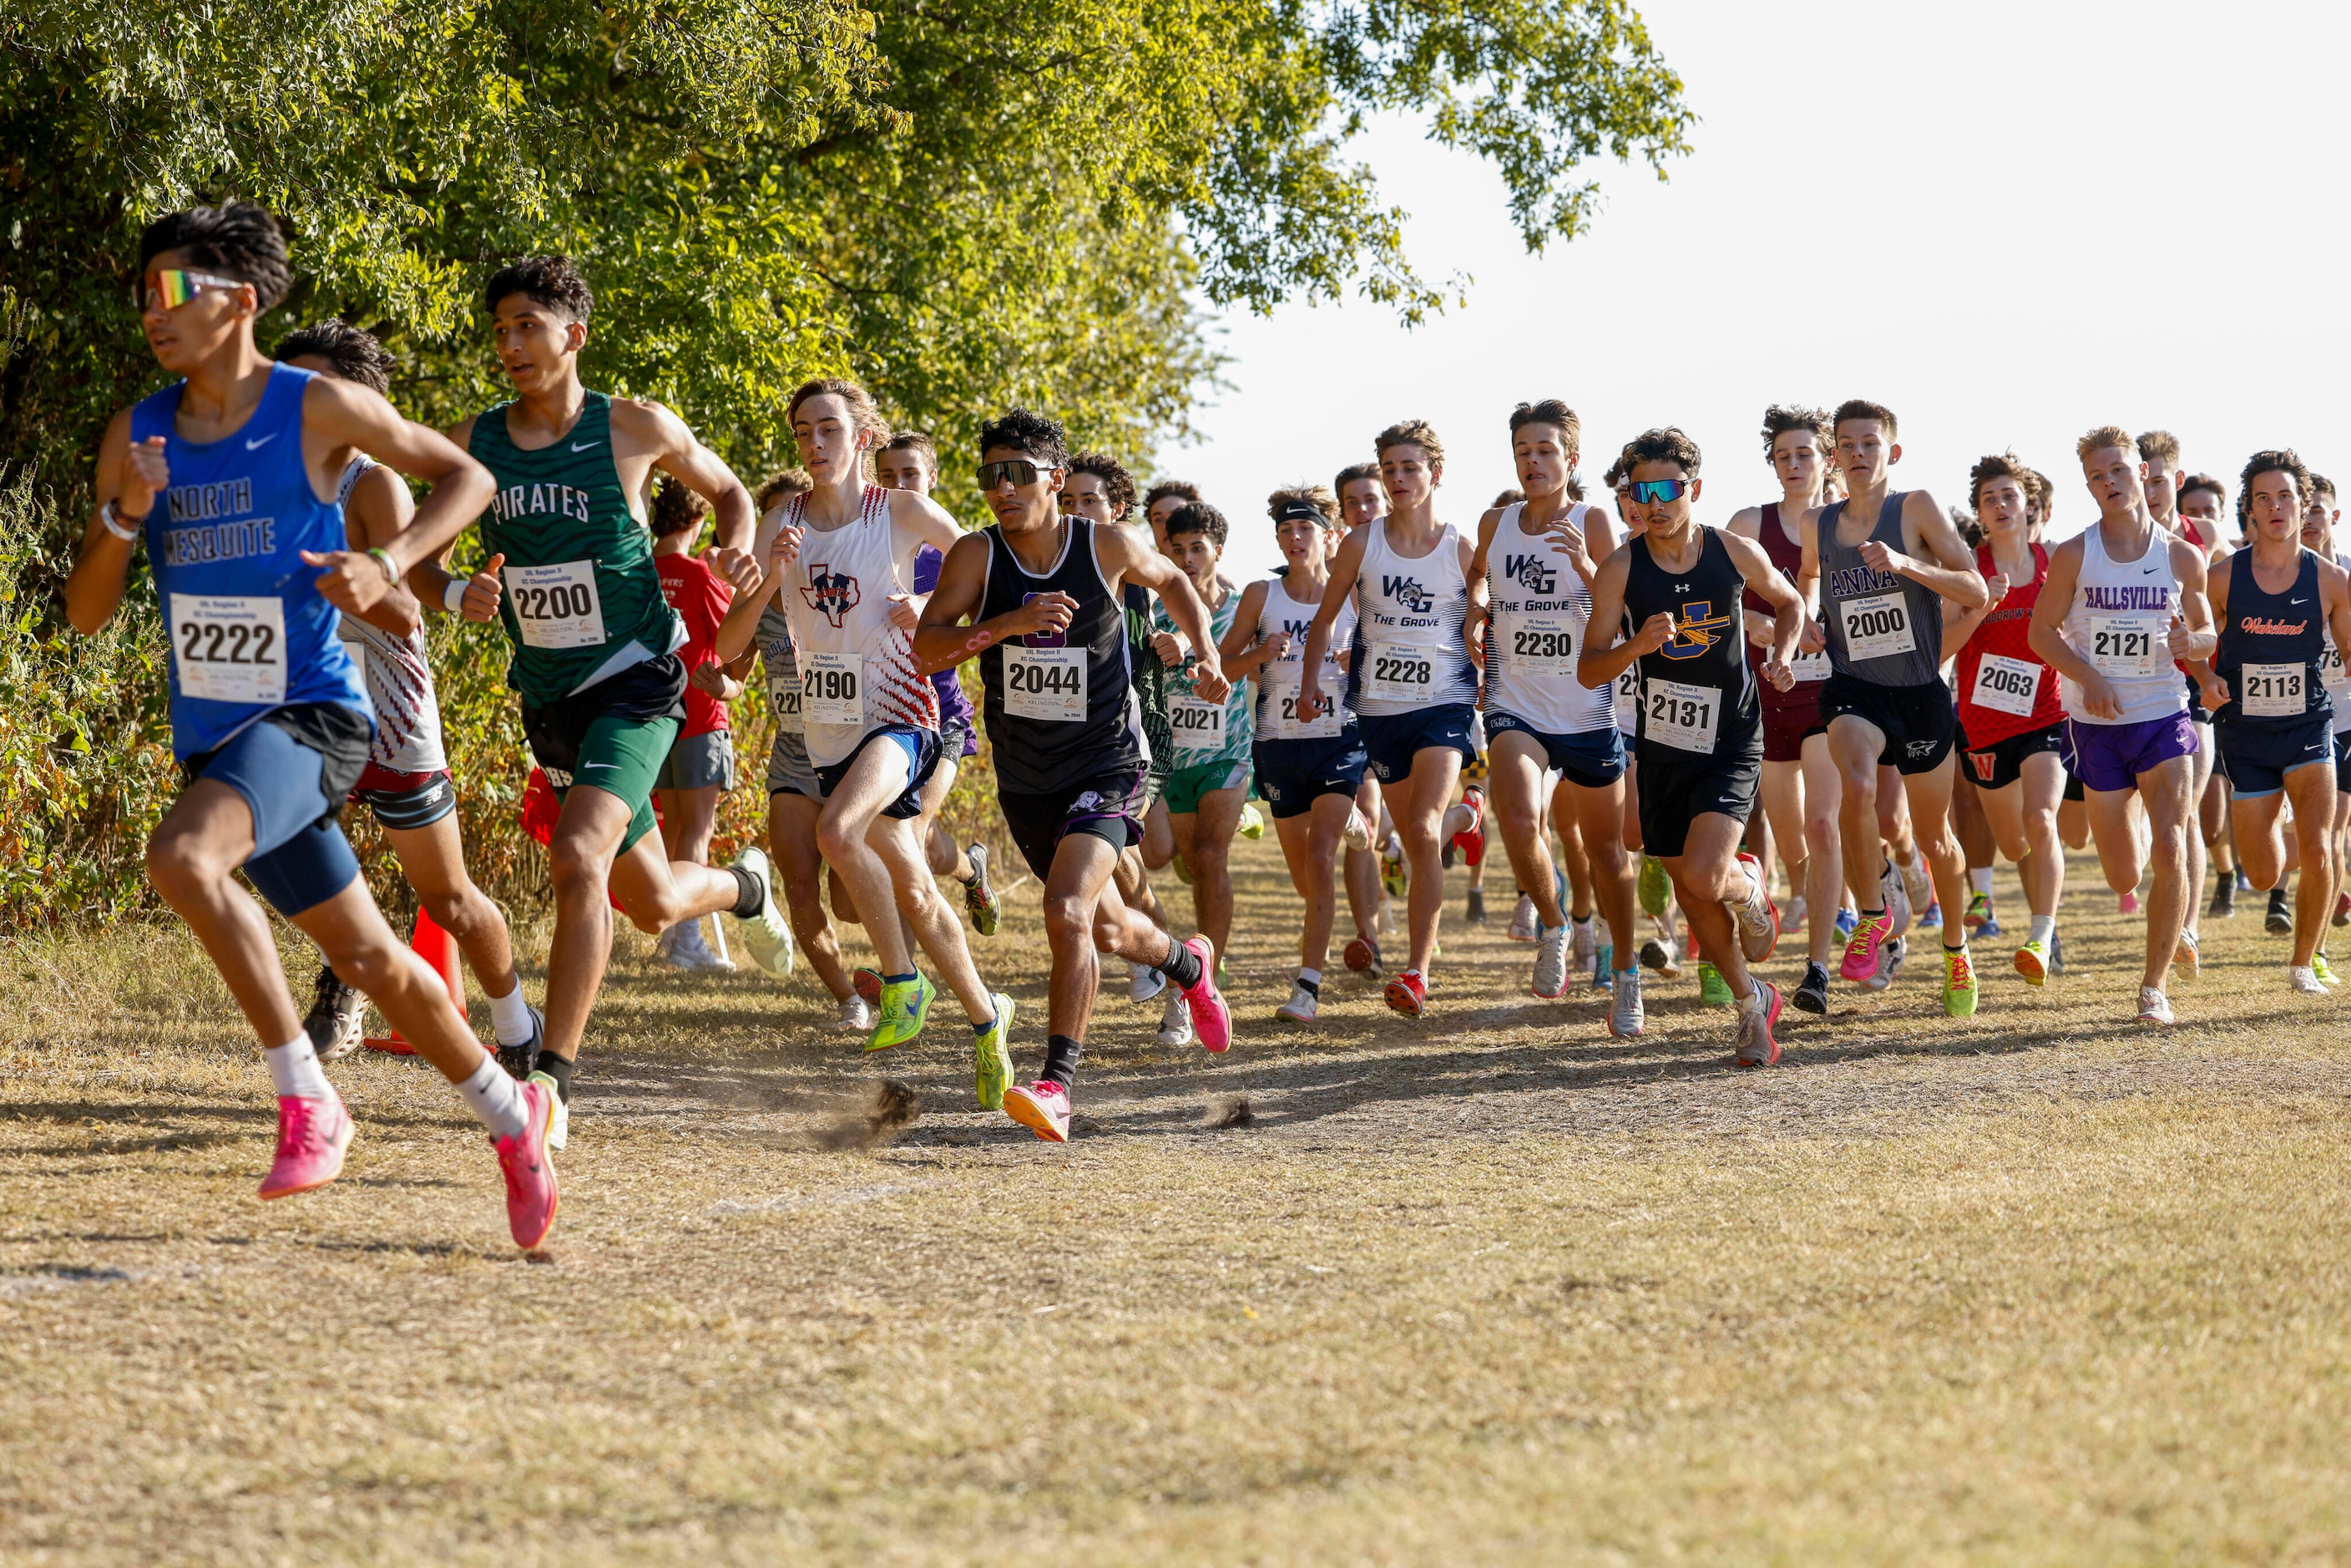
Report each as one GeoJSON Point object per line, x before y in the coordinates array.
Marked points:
{"type": "Point", "coordinates": [2330, 671]}
{"type": "Point", "coordinates": [1403, 671]}
{"type": "Point", "coordinates": [1811, 666]}
{"type": "Point", "coordinates": [1324, 725]}
{"type": "Point", "coordinates": [2127, 646]}
{"type": "Point", "coordinates": [2007, 686]}
{"type": "Point", "coordinates": [1628, 699]}
{"type": "Point", "coordinates": [1544, 647]}
{"type": "Point", "coordinates": [230, 649]}
{"type": "Point", "coordinates": [1876, 626]}
{"type": "Point", "coordinates": [1198, 726]}
{"type": "Point", "coordinates": [1683, 716]}
{"type": "Point", "coordinates": [832, 688]}
{"type": "Point", "coordinates": [1047, 683]}
{"type": "Point", "coordinates": [556, 606]}
{"type": "Point", "coordinates": [785, 693]}
{"type": "Point", "coordinates": [2271, 691]}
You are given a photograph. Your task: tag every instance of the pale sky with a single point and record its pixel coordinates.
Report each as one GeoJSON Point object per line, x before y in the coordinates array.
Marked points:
{"type": "Point", "coordinates": [2008, 222]}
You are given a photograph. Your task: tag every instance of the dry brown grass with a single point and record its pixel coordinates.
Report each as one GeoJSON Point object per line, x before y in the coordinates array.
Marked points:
{"type": "Point", "coordinates": [2032, 1287]}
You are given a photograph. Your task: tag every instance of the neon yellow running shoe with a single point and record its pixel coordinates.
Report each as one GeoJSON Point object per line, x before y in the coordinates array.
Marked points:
{"type": "Point", "coordinates": [1252, 824]}
{"type": "Point", "coordinates": [2032, 962]}
{"type": "Point", "coordinates": [1655, 891]}
{"type": "Point", "coordinates": [991, 1056]}
{"type": "Point", "coordinates": [1712, 989]}
{"type": "Point", "coordinates": [1959, 983]}
{"type": "Point", "coordinates": [904, 1007]}
{"type": "Point", "coordinates": [2326, 977]}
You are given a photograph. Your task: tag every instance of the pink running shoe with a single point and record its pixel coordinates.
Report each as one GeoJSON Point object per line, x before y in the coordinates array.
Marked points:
{"type": "Point", "coordinates": [1043, 1108]}
{"type": "Point", "coordinates": [1212, 1021]}
{"type": "Point", "coordinates": [2128, 901]}
{"type": "Point", "coordinates": [529, 1169]}
{"type": "Point", "coordinates": [311, 1137]}
{"type": "Point", "coordinates": [1861, 954]}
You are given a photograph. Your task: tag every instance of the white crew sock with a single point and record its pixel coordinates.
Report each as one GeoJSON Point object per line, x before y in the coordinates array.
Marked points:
{"type": "Point", "coordinates": [2044, 929]}
{"type": "Point", "coordinates": [294, 1069]}
{"type": "Point", "coordinates": [510, 1017]}
{"type": "Point", "coordinates": [1980, 880]}
{"type": "Point", "coordinates": [496, 1098]}
{"type": "Point", "coordinates": [1311, 977]}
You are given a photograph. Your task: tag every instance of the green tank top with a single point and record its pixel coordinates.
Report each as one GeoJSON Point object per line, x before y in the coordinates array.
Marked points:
{"type": "Point", "coordinates": [579, 580]}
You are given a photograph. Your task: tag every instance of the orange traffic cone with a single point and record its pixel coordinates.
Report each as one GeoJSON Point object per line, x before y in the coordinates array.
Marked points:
{"type": "Point", "coordinates": [438, 948]}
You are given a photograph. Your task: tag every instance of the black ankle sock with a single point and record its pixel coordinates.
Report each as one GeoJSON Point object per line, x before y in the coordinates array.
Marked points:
{"type": "Point", "coordinates": [1181, 965]}
{"type": "Point", "coordinates": [559, 1068]}
{"type": "Point", "coordinates": [750, 897]}
{"type": "Point", "coordinates": [1061, 1055]}
{"type": "Point", "coordinates": [1314, 988]}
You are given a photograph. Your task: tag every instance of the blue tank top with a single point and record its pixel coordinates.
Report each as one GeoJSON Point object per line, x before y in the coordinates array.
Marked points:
{"type": "Point", "coordinates": [250, 632]}
{"type": "Point", "coordinates": [2270, 648]}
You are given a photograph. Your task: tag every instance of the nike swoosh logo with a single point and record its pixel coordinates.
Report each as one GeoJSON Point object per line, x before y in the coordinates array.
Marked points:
{"type": "Point", "coordinates": [584, 445]}
{"type": "Point", "coordinates": [2297, 602]}
{"type": "Point", "coordinates": [252, 445]}
{"type": "Point", "coordinates": [2148, 571]}
{"type": "Point", "coordinates": [607, 766]}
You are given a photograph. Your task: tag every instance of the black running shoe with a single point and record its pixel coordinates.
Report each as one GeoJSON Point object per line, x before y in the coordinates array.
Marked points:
{"type": "Point", "coordinates": [2279, 921]}
{"type": "Point", "coordinates": [336, 1018]}
{"type": "Point", "coordinates": [1476, 906]}
{"type": "Point", "coordinates": [1813, 995]}
{"type": "Point", "coordinates": [520, 1059]}
{"type": "Point", "coordinates": [2224, 897]}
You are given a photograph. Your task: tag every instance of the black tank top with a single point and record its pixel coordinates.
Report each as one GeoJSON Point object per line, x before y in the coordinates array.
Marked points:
{"type": "Point", "coordinates": [1069, 713]}
{"type": "Point", "coordinates": [1697, 694]}
{"type": "Point", "coordinates": [2279, 636]}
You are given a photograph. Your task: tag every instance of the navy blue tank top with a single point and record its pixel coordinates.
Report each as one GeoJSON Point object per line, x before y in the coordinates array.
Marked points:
{"type": "Point", "coordinates": [1698, 691]}
{"type": "Point", "coordinates": [2270, 648]}
{"type": "Point", "coordinates": [250, 632]}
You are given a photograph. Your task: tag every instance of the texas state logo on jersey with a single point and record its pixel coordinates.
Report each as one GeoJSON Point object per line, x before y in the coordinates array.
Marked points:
{"type": "Point", "coordinates": [829, 593]}
{"type": "Point", "coordinates": [1696, 628]}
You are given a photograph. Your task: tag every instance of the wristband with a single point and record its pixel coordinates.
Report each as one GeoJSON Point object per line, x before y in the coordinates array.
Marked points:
{"type": "Point", "coordinates": [382, 558]}
{"type": "Point", "coordinates": [109, 516]}
{"type": "Point", "coordinates": [453, 598]}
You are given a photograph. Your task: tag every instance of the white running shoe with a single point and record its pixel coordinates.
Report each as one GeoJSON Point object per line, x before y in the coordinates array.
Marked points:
{"type": "Point", "coordinates": [2305, 979]}
{"type": "Point", "coordinates": [1758, 921]}
{"type": "Point", "coordinates": [1625, 1015]}
{"type": "Point", "coordinates": [1919, 884]}
{"type": "Point", "coordinates": [1524, 927]}
{"type": "Point", "coordinates": [1176, 1020]}
{"type": "Point", "coordinates": [1586, 943]}
{"type": "Point", "coordinates": [1793, 917]}
{"type": "Point", "coordinates": [688, 950]}
{"type": "Point", "coordinates": [1657, 953]}
{"type": "Point", "coordinates": [1299, 1008]}
{"type": "Point", "coordinates": [766, 935]}
{"type": "Point", "coordinates": [856, 1016]}
{"type": "Point", "coordinates": [1551, 965]}
{"type": "Point", "coordinates": [1358, 834]}
{"type": "Point", "coordinates": [2153, 1007]}
{"type": "Point", "coordinates": [1143, 982]}
{"type": "Point", "coordinates": [1896, 896]}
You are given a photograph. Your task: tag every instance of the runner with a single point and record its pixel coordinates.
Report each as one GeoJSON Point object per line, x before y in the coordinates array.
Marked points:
{"type": "Point", "coordinates": [1799, 786]}
{"type": "Point", "coordinates": [1410, 683]}
{"type": "Point", "coordinates": [1361, 501]}
{"type": "Point", "coordinates": [2276, 602]}
{"type": "Point", "coordinates": [840, 559]}
{"type": "Point", "coordinates": [2122, 600]}
{"type": "Point", "coordinates": [1214, 738]}
{"type": "Point", "coordinates": [595, 661]}
{"type": "Point", "coordinates": [2159, 450]}
{"type": "Point", "coordinates": [700, 766]}
{"type": "Point", "coordinates": [1308, 764]}
{"type": "Point", "coordinates": [1882, 560]}
{"type": "Point", "coordinates": [1653, 889]}
{"type": "Point", "coordinates": [2011, 715]}
{"type": "Point", "coordinates": [406, 782]}
{"type": "Point", "coordinates": [1043, 590]}
{"type": "Point", "coordinates": [1361, 498]}
{"type": "Point", "coordinates": [2318, 521]}
{"type": "Point", "coordinates": [1531, 602]}
{"type": "Point", "coordinates": [229, 477]}
{"type": "Point", "coordinates": [2201, 501]}
{"type": "Point", "coordinates": [1701, 745]}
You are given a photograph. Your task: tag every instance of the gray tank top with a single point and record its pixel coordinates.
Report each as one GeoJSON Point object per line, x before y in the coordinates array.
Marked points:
{"type": "Point", "coordinates": [1883, 628]}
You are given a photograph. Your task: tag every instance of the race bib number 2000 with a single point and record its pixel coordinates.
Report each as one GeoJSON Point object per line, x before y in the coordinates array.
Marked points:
{"type": "Point", "coordinates": [1877, 626]}
{"type": "Point", "coordinates": [230, 649]}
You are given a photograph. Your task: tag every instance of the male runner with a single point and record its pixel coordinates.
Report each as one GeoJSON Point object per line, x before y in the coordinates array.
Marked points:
{"type": "Point", "coordinates": [1309, 762]}
{"type": "Point", "coordinates": [1361, 498]}
{"type": "Point", "coordinates": [1411, 683]}
{"type": "Point", "coordinates": [2011, 715]}
{"type": "Point", "coordinates": [229, 477]}
{"type": "Point", "coordinates": [1883, 560]}
{"type": "Point", "coordinates": [595, 661]}
{"type": "Point", "coordinates": [1531, 602]}
{"type": "Point", "coordinates": [406, 783]}
{"type": "Point", "coordinates": [2159, 450]}
{"type": "Point", "coordinates": [700, 767]}
{"type": "Point", "coordinates": [2318, 521]}
{"type": "Point", "coordinates": [1042, 591]}
{"type": "Point", "coordinates": [1800, 788]}
{"type": "Point", "coordinates": [1214, 738]}
{"type": "Point", "coordinates": [2121, 601]}
{"type": "Point", "coordinates": [841, 560]}
{"type": "Point", "coordinates": [1701, 745]}
{"type": "Point", "coordinates": [1361, 501]}
{"type": "Point", "coordinates": [2276, 602]}
{"type": "Point", "coordinates": [2201, 502]}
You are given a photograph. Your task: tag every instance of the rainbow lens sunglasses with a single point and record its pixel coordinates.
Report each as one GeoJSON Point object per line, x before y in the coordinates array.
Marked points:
{"type": "Point", "coordinates": [1648, 492]}
{"type": "Point", "coordinates": [173, 287]}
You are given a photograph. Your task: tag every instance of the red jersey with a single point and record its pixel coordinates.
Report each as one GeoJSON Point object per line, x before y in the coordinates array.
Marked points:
{"type": "Point", "coordinates": [1811, 669]}
{"type": "Point", "coordinates": [700, 596]}
{"type": "Point", "coordinates": [2004, 687]}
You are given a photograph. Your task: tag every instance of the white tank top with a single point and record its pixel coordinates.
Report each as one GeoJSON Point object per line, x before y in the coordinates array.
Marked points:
{"type": "Point", "coordinates": [2121, 614]}
{"type": "Point", "coordinates": [2330, 666]}
{"type": "Point", "coordinates": [1540, 609]}
{"type": "Point", "coordinates": [1277, 684]}
{"type": "Point", "coordinates": [399, 680]}
{"type": "Point", "coordinates": [856, 667]}
{"type": "Point", "coordinates": [1408, 650]}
